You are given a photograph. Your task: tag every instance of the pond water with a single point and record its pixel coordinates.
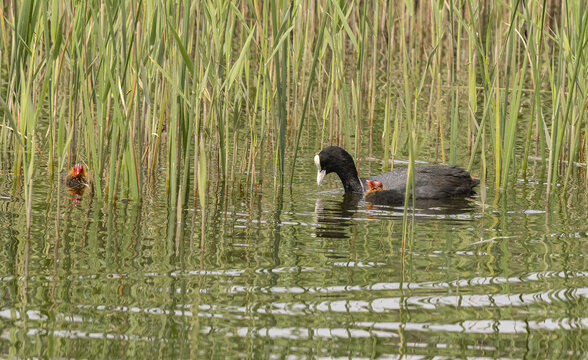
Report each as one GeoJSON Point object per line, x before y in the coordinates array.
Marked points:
{"type": "Point", "coordinates": [302, 273]}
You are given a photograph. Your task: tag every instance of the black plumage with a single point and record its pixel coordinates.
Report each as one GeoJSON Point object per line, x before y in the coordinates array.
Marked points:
{"type": "Point", "coordinates": [431, 181]}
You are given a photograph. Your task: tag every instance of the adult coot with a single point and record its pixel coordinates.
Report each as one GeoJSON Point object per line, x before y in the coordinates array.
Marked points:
{"type": "Point", "coordinates": [431, 182]}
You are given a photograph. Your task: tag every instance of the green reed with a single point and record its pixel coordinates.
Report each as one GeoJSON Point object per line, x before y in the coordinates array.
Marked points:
{"type": "Point", "coordinates": [210, 91]}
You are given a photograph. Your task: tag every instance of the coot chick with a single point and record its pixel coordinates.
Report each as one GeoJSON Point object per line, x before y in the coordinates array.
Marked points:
{"type": "Point", "coordinates": [377, 195]}
{"type": "Point", "coordinates": [374, 186]}
{"type": "Point", "coordinates": [430, 182]}
{"type": "Point", "coordinates": [78, 181]}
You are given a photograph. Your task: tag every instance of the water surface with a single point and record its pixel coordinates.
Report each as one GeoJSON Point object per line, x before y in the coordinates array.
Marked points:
{"type": "Point", "coordinates": [299, 273]}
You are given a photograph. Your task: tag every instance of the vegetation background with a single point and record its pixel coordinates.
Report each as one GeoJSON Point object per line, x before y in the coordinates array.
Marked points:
{"type": "Point", "coordinates": [206, 115]}
{"type": "Point", "coordinates": [216, 89]}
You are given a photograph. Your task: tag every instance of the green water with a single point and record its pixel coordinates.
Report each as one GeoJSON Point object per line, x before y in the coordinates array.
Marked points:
{"type": "Point", "coordinates": [298, 274]}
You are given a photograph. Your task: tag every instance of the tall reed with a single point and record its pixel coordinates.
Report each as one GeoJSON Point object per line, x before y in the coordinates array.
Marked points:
{"type": "Point", "coordinates": [207, 91]}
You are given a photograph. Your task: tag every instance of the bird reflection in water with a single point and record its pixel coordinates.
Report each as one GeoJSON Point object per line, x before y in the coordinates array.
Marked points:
{"type": "Point", "coordinates": [334, 218]}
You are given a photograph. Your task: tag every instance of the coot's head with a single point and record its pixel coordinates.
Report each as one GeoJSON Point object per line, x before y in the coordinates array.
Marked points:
{"type": "Point", "coordinates": [334, 159]}
{"type": "Point", "coordinates": [374, 185]}
{"type": "Point", "coordinates": [78, 171]}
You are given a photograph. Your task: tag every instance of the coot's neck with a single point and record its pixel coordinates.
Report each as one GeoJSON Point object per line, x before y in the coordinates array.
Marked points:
{"type": "Point", "coordinates": [350, 180]}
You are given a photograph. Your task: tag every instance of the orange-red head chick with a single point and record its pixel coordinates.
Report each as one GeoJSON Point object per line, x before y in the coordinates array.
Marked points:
{"type": "Point", "coordinates": [78, 171]}
{"type": "Point", "coordinates": [374, 185]}
{"type": "Point", "coordinates": [77, 179]}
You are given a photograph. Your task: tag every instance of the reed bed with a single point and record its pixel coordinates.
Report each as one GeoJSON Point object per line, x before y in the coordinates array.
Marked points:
{"type": "Point", "coordinates": [212, 90]}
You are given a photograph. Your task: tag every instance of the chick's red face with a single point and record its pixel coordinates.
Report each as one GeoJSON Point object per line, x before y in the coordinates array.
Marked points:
{"type": "Point", "coordinates": [78, 169]}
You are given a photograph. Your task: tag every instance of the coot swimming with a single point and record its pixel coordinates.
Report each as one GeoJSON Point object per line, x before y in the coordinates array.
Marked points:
{"type": "Point", "coordinates": [78, 180]}
{"type": "Point", "coordinates": [430, 182]}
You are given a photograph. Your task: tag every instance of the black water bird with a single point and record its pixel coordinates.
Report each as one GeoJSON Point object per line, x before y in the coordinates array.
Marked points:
{"type": "Point", "coordinates": [430, 181]}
